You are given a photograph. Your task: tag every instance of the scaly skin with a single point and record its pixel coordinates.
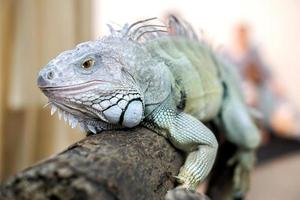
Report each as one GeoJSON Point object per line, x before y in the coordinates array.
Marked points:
{"type": "Point", "coordinates": [168, 81]}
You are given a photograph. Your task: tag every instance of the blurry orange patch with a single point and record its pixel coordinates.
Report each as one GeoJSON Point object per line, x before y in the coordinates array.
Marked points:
{"type": "Point", "coordinates": [283, 121]}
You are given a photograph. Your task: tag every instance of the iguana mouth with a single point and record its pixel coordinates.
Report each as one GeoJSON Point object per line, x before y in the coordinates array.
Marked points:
{"type": "Point", "coordinates": [76, 86]}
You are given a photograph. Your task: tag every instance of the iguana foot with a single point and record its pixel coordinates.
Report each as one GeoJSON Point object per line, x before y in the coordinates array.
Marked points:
{"type": "Point", "coordinates": [181, 193]}
{"type": "Point", "coordinates": [244, 163]}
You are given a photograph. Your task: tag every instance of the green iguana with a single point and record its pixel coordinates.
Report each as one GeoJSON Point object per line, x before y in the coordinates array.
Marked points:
{"type": "Point", "coordinates": [163, 78]}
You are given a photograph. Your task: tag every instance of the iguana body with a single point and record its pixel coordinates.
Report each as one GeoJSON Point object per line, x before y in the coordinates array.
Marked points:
{"type": "Point", "coordinates": [169, 82]}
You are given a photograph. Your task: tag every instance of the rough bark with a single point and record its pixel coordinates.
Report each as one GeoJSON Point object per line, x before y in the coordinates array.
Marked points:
{"type": "Point", "coordinates": [131, 164]}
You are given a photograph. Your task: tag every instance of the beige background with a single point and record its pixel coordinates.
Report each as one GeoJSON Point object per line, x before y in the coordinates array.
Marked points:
{"type": "Point", "coordinates": [32, 32]}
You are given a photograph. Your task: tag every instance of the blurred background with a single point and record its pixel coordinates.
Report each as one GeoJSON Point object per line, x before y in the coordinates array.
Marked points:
{"type": "Point", "coordinates": [261, 37]}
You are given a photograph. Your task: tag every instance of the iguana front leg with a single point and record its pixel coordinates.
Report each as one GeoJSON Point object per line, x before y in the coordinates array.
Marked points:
{"type": "Point", "coordinates": [191, 136]}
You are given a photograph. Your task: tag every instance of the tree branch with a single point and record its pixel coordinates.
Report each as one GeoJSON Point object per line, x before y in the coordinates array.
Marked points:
{"type": "Point", "coordinates": [131, 164]}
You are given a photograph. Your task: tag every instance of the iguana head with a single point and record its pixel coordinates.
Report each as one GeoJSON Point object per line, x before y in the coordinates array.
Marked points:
{"type": "Point", "coordinates": [100, 83]}
{"type": "Point", "coordinates": [93, 83]}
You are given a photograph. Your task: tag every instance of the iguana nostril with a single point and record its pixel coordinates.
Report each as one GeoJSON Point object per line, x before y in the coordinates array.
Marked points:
{"type": "Point", "coordinates": [50, 75]}
{"type": "Point", "coordinates": [41, 81]}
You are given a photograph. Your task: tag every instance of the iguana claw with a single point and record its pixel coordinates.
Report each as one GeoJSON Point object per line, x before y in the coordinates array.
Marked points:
{"type": "Point", "coordinates": [181, 193]}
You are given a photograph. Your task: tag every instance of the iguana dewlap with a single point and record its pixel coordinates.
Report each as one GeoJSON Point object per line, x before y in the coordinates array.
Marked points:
{"type": "Point", "coordinates": [166, 80]}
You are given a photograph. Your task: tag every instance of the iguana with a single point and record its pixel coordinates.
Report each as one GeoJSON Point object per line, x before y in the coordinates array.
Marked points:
{"type": "Point", "coordinates": [163, 78]}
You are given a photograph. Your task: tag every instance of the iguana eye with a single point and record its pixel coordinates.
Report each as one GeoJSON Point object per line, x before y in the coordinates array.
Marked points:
{"type": "Point", "coordinates": [88, 63]}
